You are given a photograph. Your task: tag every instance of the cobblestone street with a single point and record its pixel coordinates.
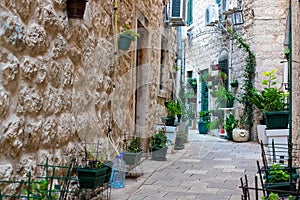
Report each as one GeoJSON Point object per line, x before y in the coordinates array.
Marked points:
{"type": "Point", "coordinates": [208, 168]}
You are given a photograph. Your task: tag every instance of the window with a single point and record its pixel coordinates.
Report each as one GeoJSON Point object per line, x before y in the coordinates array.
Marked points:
{"type": "Point", "coordinates": [189, 20]}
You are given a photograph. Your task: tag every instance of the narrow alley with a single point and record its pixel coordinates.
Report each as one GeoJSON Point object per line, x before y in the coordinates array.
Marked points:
{"type": "Point", "coordinates": [208, 168]}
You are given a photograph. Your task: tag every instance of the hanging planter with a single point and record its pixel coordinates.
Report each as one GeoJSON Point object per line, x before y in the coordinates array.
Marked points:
{"type": "Point", "coordinates": [126, 37]}
{"type": "Point", "coordinates": [234, 84]}
{"type": "Point", "coordinates": [76, 8]}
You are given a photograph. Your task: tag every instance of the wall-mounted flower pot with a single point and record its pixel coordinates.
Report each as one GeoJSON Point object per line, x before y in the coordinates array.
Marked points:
{"type": "Point", "coordinates": [125, 41]}
{"type": "Point", "coordinates": [234, 84]}
{"type": "Point", "coordinates": [76, 8]}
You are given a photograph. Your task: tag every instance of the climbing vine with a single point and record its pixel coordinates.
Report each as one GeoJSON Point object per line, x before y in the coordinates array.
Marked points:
{"type": "Point", "coordinates": [249, 73]}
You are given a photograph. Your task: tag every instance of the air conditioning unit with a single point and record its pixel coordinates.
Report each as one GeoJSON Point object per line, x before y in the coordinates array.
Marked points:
{"type": "Point", "coordinates": [211, 15]}
{"type": "Point", "coordinates": [178, 12]}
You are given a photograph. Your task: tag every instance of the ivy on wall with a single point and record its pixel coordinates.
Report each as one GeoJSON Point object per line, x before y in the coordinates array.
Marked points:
{"type": "Point", "coordinates": [249, 74]}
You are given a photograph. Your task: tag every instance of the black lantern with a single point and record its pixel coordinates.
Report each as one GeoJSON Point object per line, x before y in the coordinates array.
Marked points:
{"type": "Point", "coordinates": [237, 17]}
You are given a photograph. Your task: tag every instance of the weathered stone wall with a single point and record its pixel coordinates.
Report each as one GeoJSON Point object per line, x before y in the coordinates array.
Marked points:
{"type": "Point", "coordinates": [264, 30]}
{"type": "Point", "coordinates": [203, 46]}
{"type": "Point", "coordinates": [61, 83]}
{"type": "Point", "coordinates": [296, 71]}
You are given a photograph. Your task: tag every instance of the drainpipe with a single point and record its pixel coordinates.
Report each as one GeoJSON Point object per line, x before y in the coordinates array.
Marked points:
{"type": "Point", "coordinates": [179, 59]}
{"type": "Point", "coordinates": [290, 94]}
{"type": "Point", "coordinates": [290, 61]}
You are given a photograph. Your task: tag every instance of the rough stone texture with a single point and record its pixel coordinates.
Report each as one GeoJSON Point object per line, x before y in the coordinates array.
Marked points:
{"type": "Point", "coordinates": [264, 29]}
{"type": "Point", "coordinates": [296, 73]}
{"type": "Point", "coordinates": [61, 83]}
{"type": "Point", "coordinates": [203, 47]}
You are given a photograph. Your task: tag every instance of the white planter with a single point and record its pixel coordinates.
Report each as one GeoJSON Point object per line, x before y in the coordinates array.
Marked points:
{"type": "Point", "coordinates": [240, 135]}
{"type": "Point", "coordinates": [261, 134]}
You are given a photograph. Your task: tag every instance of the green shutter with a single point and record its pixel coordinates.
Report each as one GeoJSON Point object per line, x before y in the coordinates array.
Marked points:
{"type": "Point", "coordinates": [189, 12]}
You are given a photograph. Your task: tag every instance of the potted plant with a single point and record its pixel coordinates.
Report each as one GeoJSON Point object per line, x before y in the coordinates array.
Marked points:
{"type": "Point", "coordinates": [203, 122]}
{"type": "Point", "coordinates": [234, 84]}
{"type": "Point", "coordinates": [133, 153]}
{"type": "Point", "coordinates": [230, 124]}
{"type": "Point", "coordinates": [277, 179]}
{"type": "Point", "coordinates": [172, 110]}
{"type": "Point", "coordinates": [159, 145]}
{"type": "Point", "coordinates": [76, 8]}
{"type": "Point", "coordinates": [271, 100]}
{"type": "Point", "coordinates": [125, 38]}
{"type": "Point", "coordinates": [96, 171]}
{"type": "Point", "coordinates": [224, 97]}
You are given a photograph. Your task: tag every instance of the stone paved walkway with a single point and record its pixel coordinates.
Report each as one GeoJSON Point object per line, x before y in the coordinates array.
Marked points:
{"type": "Point", "coordinates": [208, 168]}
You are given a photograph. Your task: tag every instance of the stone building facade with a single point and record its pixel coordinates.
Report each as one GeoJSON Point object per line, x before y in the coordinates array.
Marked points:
{"type": "Point", "coordinates": [63, 81]}
{"type": "Point", "coordinates": [264, 28]}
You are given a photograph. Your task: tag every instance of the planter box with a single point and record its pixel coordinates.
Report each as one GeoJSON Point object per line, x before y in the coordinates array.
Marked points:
{"type": "Point", "coordinates": [277, 119]}
{"type": "Point", "coordinates": [202, 127]}
{"type": "Point", "coordinates": [160, 154]}
{"type": "Point", "coordinates": [131, 158]}
{"type": "Point", "coordinates": [92, 178]}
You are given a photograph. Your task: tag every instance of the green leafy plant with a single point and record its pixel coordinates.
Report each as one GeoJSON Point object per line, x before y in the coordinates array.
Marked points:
{"type": "Point", "coordinates": [278, 174]}
{"type": "Point", "coordinates": [269, 98]}
{"type": "Point", "coordinates": [249, 74]}
{"type": "Point", "coordinates": [274, 196]}
{"type": "Point", "coordinates": [214, 124]}
{"type": "Point", "coordinates": [134, 145]}
{"type": "Point", "coordinates": [224, 98]}
{"type": "Point", "coordinates": [205, 115]}
{"type": "Point", "coordinates": [193, 84]}
{"type": "Point", "coordinates": [39, 190]}
{"type": "Point", "coordinates": [159, 140]}
{"type": "Point", "coordinates": [230, 123]}
{"type": "Point", "coordinates": [173, 108]}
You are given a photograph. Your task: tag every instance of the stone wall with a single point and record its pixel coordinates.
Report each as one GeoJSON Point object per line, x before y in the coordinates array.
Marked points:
{"type": "Point", "coordinates": [203, 46]}
{"type": "Point", "coordinates": [264, 30]}
{"type": "Point", "coordinates": [61, 83]}
{"type": "Point", "coordinates": [296, 72]}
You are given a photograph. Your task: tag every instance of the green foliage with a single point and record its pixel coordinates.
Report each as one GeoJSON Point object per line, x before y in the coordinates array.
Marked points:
{"type": "Point", "coordinates": [223, 96]}
{"type": "Point", "coordinates": [278, 174]}
{"type": "Point", "coordinates": [230, 123]}
{"type": "Point", "coordinates": [173, 108]}
{"type": "Point", "coordinates": [205, 115]}
{"type": "Point", "coordinates": [270, 98]}
{"type": "Point", "coordinates": [159, 140]}
{"type": "Point", "coordinates": [39, 190]}
{"type": "Point", "coordinates": [249, 73]}
{"type": "Point", "coordinates": [274, 196]}
{"type": "Point", "coordinates": [130, 32]}
{"type": "Point", "coordinates": [193, 84]}
{"type": "Point", "coordinates": [215, 124]}
{"type": "Point", "coordinates": [134, 145]}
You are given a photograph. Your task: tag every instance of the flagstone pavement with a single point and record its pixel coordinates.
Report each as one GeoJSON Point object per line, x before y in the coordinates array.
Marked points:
{"type": "Point", "coordinates": [208, 168]}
